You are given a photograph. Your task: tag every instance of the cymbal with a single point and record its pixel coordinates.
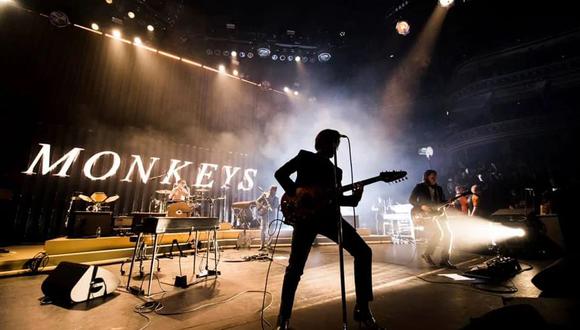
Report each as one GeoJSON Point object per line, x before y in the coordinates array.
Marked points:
{"type": "Point", "coordinates": [85, 198]}
{"type": "Point", "coordinates": [163, 192]}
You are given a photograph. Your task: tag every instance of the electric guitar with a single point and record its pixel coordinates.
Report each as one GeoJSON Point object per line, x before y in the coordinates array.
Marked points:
{"type": "Point", "coordinates": [309, 201]}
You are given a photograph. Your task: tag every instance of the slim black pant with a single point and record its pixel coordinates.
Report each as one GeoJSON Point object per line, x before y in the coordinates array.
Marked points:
{"type": "Point", "coordinates": [302, 239]}
{"type": "Point", "coordinates": [440, 235]}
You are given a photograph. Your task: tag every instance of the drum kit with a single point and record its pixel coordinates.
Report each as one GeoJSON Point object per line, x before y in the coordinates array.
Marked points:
{"type": "Point", "coordinates": [97, 200]}
{"type": "Point", "coordinates": [197, 204]}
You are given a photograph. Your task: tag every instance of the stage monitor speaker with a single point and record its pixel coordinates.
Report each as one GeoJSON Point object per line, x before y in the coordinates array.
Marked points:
{"type": "Point", "coordinates": [72, 282]}
{"type": "Point", "coordinates": [91, 224]}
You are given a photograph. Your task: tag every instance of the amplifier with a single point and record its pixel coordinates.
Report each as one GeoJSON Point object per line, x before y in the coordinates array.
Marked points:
{"type": "Point", "coordinates": [90, 224]}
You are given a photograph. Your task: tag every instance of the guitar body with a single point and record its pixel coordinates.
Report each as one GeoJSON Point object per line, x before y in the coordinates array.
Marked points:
{"type": "Point", "coordinates": [307, 203]}
{"type": "Point", "coordinates": [310, 202]}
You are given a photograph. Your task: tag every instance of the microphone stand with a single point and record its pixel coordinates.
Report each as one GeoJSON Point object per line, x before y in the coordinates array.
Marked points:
{"type": "Point", "coordinates": [340, 245]}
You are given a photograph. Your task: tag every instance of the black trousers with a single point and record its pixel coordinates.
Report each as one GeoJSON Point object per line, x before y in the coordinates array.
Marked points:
{"type": "Point", "coordinates": [302, 239]}
{"type": "Point", "coordinates": [440, 235]}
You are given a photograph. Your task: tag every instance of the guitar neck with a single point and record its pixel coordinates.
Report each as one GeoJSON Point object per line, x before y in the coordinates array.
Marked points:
{"type": "Point", "coordinates": [361, 183]}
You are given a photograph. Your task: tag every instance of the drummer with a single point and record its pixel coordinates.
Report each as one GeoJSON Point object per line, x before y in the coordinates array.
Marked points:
{"type": "Point", "coordinates": [180, 191]}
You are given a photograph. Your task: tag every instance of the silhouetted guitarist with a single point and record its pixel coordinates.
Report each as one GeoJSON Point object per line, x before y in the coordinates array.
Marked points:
{"type": "Point", "coordinates": [316, 170]}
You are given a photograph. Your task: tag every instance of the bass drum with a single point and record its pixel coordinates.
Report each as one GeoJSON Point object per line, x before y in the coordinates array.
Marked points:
{"type": "Point", "coordinates": [179, 210]}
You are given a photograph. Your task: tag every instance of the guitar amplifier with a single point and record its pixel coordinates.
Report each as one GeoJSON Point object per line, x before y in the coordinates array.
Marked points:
{"type": "Point", "coordinates": [90, 224]}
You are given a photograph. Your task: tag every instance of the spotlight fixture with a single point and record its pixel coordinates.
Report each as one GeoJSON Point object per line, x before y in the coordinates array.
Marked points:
{"type": "Point", "coordinates": [95, 26]}
{"type": "Point", "coordinates": [305, 59]}
{"type": "Point", "coordinates": [217, 52]}
{"type": "Point", "coordinates": [116, 33]}
{"type": "Point", "coordinates": [274, 57]}
{"type": "Point", "coordinates": [342, 33]}
{"type": "Point", "coordinates": [109, 1]}
{"type": "Point", "coordinates": [222, 68]}
{"type": "Point", "coordinates": [290, 58]}
{"type": "Point", "coordinates": [58, 19]}
{"type": "Point", "coordinates": [131, 14]}
{"type": "Point", "coordinates": [235, 72]}
{"type": "Point", "coordinates": [226, 53]}
{"type": "Point", "coordinates": [403, 28]}
{"type": "Point", "coordinates": [242, 54]}
{"type": "Point", "coordinates": [297, 58]}
{"type": "Point", "coordinates": [137, 41]}
{"type": "Point", "coordinates": [446, 3]}
{"type": "Point", "coordinates": [282, 57]}
{"type": "Point", "coordinates": [286, 89]}
{"type": "Point", "coordinates": [324, 57]}
{"type": "Point", "coordinates": [250, 55]}
{"type": "Point", "coordinates": [296, 93]}
{"type": "Point", "coordinates": [234, 53]}
{"type": "Point", "coordinates": [264, 51]}
{"type": "Point", "coordinates": [209, 51]}
{"type": "Point", "coordinates": [150, 28]}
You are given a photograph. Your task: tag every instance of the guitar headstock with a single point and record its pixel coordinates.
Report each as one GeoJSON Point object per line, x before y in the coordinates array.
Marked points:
{"type": "Point", "coordinates": [393, 176]}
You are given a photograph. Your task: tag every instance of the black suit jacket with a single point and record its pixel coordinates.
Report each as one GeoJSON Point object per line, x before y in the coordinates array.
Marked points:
{"type": "Point", "coordinates": [422, 196]}
{"type": "Point", "coordinates": [311, 170]}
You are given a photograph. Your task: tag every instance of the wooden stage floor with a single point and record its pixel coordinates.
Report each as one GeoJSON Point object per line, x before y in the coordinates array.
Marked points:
{"type": "Point", "coordinates": [403, 300]}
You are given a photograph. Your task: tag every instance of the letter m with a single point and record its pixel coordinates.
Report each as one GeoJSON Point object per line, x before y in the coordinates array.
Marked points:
{"type": "Point", "coordinates": [43, 157]}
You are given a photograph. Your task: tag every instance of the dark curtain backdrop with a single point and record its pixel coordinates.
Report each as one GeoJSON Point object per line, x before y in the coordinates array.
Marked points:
{"type": "Point", "coordinates": [72, 88]}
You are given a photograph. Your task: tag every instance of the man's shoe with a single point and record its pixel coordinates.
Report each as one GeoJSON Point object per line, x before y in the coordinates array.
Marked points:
{"type": "Point", "coordinates": [428, 259]}
{"type": "Point", "coordinates": [447, 264]}
{"type": "Point", "coordinates": [365, 319]}
{"type": "Point", "coordinates": [283, 324]}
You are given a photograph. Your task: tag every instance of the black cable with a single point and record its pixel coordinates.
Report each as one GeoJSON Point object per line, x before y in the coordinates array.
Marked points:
{"type": "Point", "coordinates": [279, 221]}
{"type": "Point", "coordinates": [477, 286]}
{"type": "Point", "coordinates": [209, 304]}
{"type": "Point", "coordinates": [38, 262]}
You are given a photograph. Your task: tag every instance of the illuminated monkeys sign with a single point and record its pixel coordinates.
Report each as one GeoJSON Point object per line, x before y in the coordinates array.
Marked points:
{"type": "Point", "coordinates": [138, 169]}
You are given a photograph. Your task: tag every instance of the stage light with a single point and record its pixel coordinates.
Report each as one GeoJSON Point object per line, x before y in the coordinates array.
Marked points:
{"type": "Point", "coordinates": [95, 26]}
{"type": "Point", "coordinates": [274, 57]}
{"type": "Point", "coordinates": [324, 57]}
{"type": "Point", "coordinates": [150, 28]}
{"type": "Point", "coordinates": [305, 59]}
{"type": "Point", "coordinates": [426, 151]}
{"type": "Point", "coordinates": [235, 72]}
{"type": "Point", "coordinates": [217, 52]}
{"type": "Point", "coordinates": [446, 3]}
{"type": "Point", "coordinates": [109, 1]}
{"type": "Point", "coordinates": [116, 33]}
{"type": "Point", "coordinates": [226, 53]}
{"type": "Point", "coordinates": [137, 41]}
{"type": "Point", "coordinates": [250, 55]}
{"type": "Point", "coordinates": [297, 59]}
{"type": "Point", "coordinates": [296, 93]}
{"type": "Point", "coordinates": [282, 57]}
{"type": "Point", "coordinates": [208, 51]}
{"type": "Point", "coordinates": [222, 68]}
{"type": "Point", "coordinates": [131, 14]}
{"type": "Point", "coordinates": [403, 28]}
{"type": "Point", "coordinates": [290, 58]}
{"type": "Point", "coordinates": [286, 89]}
{"type": "Point", "coordinates": [242, 54]}
{"type": "Point", "coordinates": [234, 53]}
{"type": "Point", "coordinates": [264, 52]}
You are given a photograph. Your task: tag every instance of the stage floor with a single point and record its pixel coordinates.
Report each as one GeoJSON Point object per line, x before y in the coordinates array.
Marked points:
{"type": "Point", "coordinates": [402, 300]}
